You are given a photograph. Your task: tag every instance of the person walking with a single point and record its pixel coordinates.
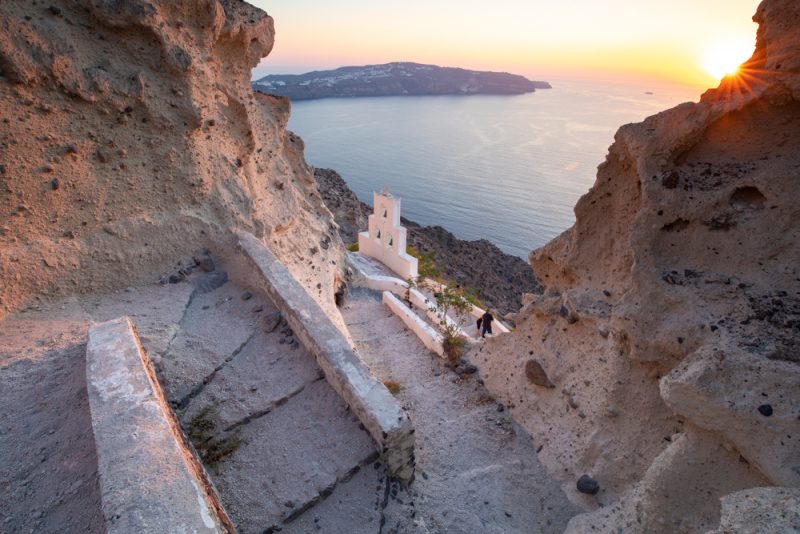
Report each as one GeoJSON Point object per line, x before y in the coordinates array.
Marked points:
{"type": "Point", "coordinates": [486, 323]}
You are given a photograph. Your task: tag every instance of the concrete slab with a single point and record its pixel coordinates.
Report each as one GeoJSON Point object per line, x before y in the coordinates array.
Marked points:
{"type": "Point", "coordinates": [216, 327]}
{"type": "Point", "coordinates": [264, 374]}
{"type": "Point", "coordinates": [354, 507]}
{"type": "Point", "coordinates": [291, 457]}
{"type": "Point", "coordinates": [156, 310]}
{"type": "Point", "coordinates": [149, 479]}
{"type": "Point", "coordinates": [368, 398]}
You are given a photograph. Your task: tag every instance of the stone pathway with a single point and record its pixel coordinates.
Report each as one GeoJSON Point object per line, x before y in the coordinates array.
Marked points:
{"type": "Point", "coordinates": [273, 434]}
{"type": "Point", "coordinates": [275, 437]}
{"type": "Point", "coordinates": [477, 470]}
{"type": "Point", "coordinates": [282, 448]}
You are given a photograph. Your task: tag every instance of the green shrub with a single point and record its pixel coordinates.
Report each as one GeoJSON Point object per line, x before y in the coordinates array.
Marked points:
{"type": "Point", "coordinates": [353, 247]}
{"type": "Point", "coordinates": [428, 265]}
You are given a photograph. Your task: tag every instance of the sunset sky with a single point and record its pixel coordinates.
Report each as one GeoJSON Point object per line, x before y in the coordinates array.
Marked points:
{"type": "Point", "coordinates": [679, 40]}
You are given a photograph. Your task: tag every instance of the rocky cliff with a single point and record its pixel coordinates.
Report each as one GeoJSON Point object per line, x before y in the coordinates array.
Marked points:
{"type": "Point", "coordinates": [132, 138]}
{"type": "Point", "coordinates": [662, 358]}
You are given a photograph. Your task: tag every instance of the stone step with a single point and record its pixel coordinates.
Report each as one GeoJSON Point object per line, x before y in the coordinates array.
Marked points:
{"type": "Point", "coordinates": [215, 328]}
{"type": "Point", "coordinates": [275, 438]}
{"type": "Point", "coordinates": [264, 374]}
{"type": "Point", "coordinates": [291, 458]}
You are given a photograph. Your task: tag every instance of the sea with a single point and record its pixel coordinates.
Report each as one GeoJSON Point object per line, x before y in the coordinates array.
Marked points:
{"type": "Point", "coordinates": [504, 168]}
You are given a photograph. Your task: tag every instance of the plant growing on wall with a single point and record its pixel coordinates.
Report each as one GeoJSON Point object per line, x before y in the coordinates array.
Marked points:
{"type": "Point", "coordinates": [450, 302]}
{"type": "Point", "coordinates": [411, 283]}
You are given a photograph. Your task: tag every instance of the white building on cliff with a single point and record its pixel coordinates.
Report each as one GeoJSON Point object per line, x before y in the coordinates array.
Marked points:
{"type": "Point", "coordinates": [385, 238]}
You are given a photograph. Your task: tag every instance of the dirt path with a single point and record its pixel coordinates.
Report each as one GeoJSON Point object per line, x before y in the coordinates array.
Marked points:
{"type": "Point", "coordinates": [477, 470]}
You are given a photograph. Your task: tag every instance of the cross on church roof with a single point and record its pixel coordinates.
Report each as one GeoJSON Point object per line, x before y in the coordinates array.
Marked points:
{"type": "Point", "coordinates": [386, 191]}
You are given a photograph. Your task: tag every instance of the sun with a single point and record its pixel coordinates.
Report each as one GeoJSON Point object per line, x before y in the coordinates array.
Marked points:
{"type": "Point", "coordinates": [724, 57]}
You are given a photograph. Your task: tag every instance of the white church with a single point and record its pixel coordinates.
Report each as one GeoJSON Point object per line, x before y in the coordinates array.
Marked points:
{"type": "Point", "coordinates": [385, 239]}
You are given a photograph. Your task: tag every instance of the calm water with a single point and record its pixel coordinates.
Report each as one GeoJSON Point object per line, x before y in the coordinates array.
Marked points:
{"type": "Point", "coordinates": [508, 169]}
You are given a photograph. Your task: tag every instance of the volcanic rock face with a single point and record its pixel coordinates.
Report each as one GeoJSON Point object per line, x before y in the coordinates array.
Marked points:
{"type": "Point", "coordinates": [670, 318]}
{"type": "Point", "coordinates": [131, 137]}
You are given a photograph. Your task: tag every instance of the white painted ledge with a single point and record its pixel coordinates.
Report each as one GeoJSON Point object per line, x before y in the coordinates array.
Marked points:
{"type": "Point", "coordinates": [429, 337]}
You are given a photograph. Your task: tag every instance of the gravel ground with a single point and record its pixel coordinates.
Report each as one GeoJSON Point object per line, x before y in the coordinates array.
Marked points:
{"type": "Point", "coordinates": [48, 462]}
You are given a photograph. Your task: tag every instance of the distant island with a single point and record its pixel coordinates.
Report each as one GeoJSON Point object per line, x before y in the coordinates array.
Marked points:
{"type": "Point", "coordinates": [395, 79]}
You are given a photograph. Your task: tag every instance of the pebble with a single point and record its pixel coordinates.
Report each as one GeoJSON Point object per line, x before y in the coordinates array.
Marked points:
{"type": "Point", "coordinates": [205, 263]}
{"type": "Point", "coordinates": [470, 369]}
{"type": "Point", "coordinates": [588, 485]}
{"type": "Point", "coordinates": [247, 295]}
{"type": "Point", "coordinates": [765, 410]}
{"type": "Point", "coordinates": [500, 408]}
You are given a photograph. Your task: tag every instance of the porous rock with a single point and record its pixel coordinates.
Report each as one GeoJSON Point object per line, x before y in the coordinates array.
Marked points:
{"type": "Point", "coordinates": [682, 270]}
{"type": "Point", "coordinates": [120, 94]}
{"type": "Point", "coordinates": [537, 375]}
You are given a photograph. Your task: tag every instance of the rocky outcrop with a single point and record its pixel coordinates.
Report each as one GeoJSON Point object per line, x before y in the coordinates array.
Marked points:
{"type": "Point", "coordinates": [498, 278]}
{"type": "Point", "coordinates": [132, 138]}
{"type": "Point", "coordinates": [670, 315]}
{"type": "Point", "coordinates": [395, 79]}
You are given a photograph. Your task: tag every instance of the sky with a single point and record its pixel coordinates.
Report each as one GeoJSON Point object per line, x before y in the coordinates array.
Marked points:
{"type": "Point", "coordinates": [683, 41]}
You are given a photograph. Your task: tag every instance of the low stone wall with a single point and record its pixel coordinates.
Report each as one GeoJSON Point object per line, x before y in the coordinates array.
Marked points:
{"type": "Point", "coordinates": [429, 337]}
{"type": "Point", "coordinates": [417, 298]}
{"type": "Point", "coordinates": [367, 397]}
{"type": "Point", "coordinates": [150, 479]}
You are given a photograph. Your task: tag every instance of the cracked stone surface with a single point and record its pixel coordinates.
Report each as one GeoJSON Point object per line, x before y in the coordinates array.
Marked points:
{"type": "Point", "coordinates": [354, 507]}
{"type": "Point", "coordinates": [291, 457]}
{"type": "Point", "coordinates": [296, 458]}
{"type": "Point", "coordinates": [477, 470]}
{"type": "Point", "coordinates": [215, 327]}
{"type": "Point", "coordinates": [275, 437]}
